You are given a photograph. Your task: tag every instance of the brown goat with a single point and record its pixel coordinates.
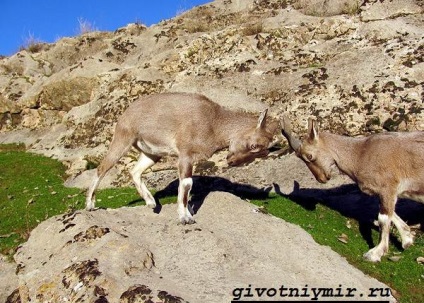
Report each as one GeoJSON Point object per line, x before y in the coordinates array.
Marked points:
{"type": "Point", "coordinates": [389, 165]}
{"type": "Point", "coordinates": [189, 126]}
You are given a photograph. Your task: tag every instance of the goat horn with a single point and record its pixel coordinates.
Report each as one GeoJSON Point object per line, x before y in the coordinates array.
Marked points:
{"type": "Point", "coordinates": [287, 132]}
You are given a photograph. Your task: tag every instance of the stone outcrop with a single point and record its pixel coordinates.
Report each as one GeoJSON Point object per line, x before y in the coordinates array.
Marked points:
{"type": "Point", "coordinates": [135, 255]}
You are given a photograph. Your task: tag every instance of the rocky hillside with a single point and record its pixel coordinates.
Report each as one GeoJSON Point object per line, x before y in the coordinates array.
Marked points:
{"type": "Point", "coordinates": [356, 65]}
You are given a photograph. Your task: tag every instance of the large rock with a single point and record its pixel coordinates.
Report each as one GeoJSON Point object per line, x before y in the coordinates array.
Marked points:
{"type": "Point", "coordinates": [8, 278]}
{"type": "Point", "coordinates": [380, 10]}
{"type": "Point", "coordinates": [134, 254]}
{"type": "Point", "coordinates": [327, 7]}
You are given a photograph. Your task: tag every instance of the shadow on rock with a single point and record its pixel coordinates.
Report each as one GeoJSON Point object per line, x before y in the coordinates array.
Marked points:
{"type": "Point", "coordinates": [203, 185]}
{"type": "Point", "coordinates": [351, 202]}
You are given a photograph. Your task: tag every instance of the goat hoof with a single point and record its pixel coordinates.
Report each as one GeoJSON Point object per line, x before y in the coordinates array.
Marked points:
{"type": "Point", "coordinates": [187, 220]}
{"type": "Point", "coordinates": [407, 243]}
{"type": "Point", "coordinates": [89, 204]}
{"type": "Point", "coordinates": [372, 257]}
{"type": "Point", "coordinates": [151, 205]}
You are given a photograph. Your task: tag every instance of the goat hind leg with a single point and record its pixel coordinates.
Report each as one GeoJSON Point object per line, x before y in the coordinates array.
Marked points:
{"type": "Point", "coordinates": [90, 199]}
{"type": "Point", "coordinates": [119, 146]}
{"type": "Point", "coordinates": [143, 163]}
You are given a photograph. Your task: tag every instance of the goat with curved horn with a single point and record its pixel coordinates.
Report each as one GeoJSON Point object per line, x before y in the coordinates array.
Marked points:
{"type": "Point", "coordinates": [388, 165]}
{"type": "Point", "coordinates": [189, 126]}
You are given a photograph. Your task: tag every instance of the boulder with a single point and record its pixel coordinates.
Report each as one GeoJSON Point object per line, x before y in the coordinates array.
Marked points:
{"type": "Point", "coordinates": [136, 255]}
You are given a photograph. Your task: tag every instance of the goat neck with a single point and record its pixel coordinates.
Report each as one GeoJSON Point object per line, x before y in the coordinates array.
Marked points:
{"type": "Point", "coordinates": [345, 151]}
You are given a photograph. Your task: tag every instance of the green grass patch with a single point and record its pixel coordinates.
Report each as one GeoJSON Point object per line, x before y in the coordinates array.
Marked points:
{"type": "Point", "coordinates": [31, 190]}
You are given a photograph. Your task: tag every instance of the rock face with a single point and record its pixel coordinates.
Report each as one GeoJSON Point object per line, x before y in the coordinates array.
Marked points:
{"type": "Point", "coordinates": [135, 255]}
{"type": "Point", "coordinates": [8, 279]}
{"type": "Point", "coordinates": [356, 65]}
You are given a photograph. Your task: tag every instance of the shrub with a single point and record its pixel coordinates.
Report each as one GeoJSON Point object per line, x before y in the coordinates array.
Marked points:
{"type": "Point", "coordinates": [32, 44]}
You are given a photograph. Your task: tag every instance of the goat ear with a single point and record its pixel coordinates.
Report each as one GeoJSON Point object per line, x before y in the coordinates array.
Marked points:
{"type": "Point", "coordinates": [312, 129]}
{"type": "Point", "coordinates": [262, 120]}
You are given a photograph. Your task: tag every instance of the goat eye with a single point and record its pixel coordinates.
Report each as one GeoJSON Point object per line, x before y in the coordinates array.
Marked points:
{"type": "Point", "coordinates": [253, 146]}
{"type": "Point", "coordinates": [307, 157]}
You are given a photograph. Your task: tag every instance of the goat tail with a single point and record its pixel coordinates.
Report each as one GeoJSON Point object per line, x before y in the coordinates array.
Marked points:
{"type": "Point", "coordinates": [120, 145]}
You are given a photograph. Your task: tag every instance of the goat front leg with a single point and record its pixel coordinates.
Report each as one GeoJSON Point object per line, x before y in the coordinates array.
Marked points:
{"type": "Point", "coordinates": [385, 216]}
{"type": "Point", "coordinates": [185, 171]}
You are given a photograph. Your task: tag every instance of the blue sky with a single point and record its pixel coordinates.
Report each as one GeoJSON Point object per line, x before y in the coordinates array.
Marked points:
{"type": "Point", "coordinates": [49, 20]}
